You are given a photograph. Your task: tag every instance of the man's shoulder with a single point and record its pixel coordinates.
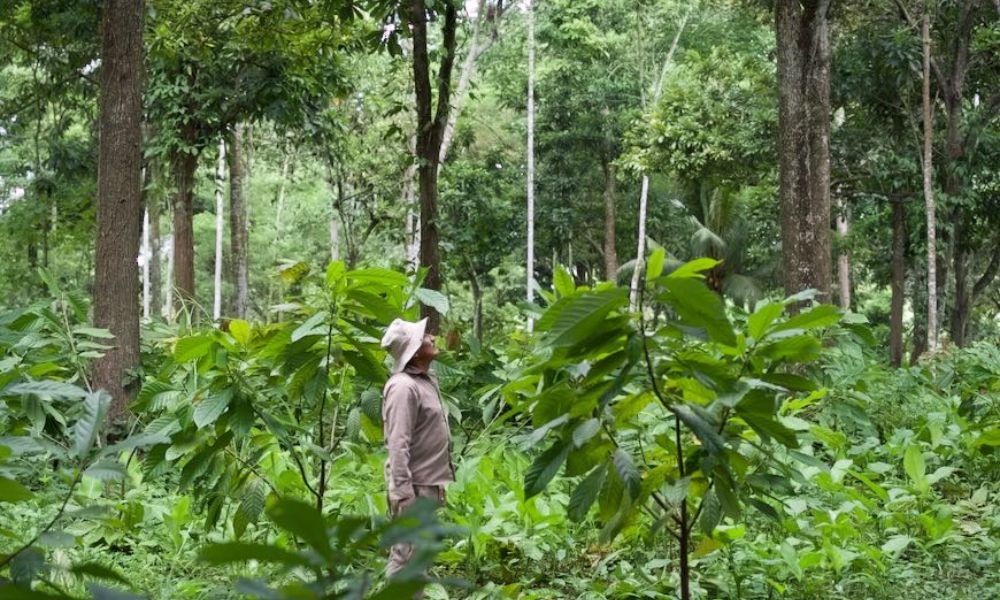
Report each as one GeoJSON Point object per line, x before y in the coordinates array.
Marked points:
{"type": "Point", "coordinates": [399, 381]}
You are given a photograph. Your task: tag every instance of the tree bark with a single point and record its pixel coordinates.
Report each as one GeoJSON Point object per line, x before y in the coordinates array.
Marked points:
{"type": "Point", "coordinates": [803, 48]}
{"type": "Point", "coordinates": [477, 306]}
{"type": "Point", "coordinates": [898, 282]}
{"type": "Point", "coordinates": [238, 234]}
{"type": "Point", "coordinates": [640, 255]}
{"type": "Point", "coordinates": [412, 211]}
{"type": "Point", "coordinates": [844, 258]}
{"type": "Point", "coordinates": [430, 127]}
{"type": "Point", "coordinates": [119, 193]}
{"type": "Point", "coordinates": [185, 166]}
{"type": "Point", "coordinates": [155, 245]}
{"type": "Point", "coordinates": [610, 200]}
{"type": "Point", "coordinates": [220, 203]}
{"type": "Point", "coordinates": [928, 155]}
{"type": "Point", "coordinates": [530, 269]}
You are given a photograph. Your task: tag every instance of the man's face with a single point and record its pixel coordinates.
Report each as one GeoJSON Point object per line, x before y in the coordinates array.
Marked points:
{"type": "Point", "coordinates": [427, 349]}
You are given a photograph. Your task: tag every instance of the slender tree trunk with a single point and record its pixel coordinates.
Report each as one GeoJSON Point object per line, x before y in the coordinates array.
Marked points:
{"type": "Point", "coordinates": [928, 119]}
{"type": "Point", "coordinates": [281, 194]}
{"type": "Point", "coordinates": [144, 259]}
{"type": "Point", "coordinates": [119, 193]}
{"type": "Point", "coordinates": [412, 211]}
{"type": "Point", "coordinates": [898, 282]}
{"type": "Point", "coordinates": [168, 297]}
{"type": "Point", "coordinates": [803, 42]}
{"type": "Point", "coordinates": [430, 127]}
{"type": "Point", "coordinates": [844, 259]}
{"type": "Point", "coordinates": [477, 306]}
{"type": "Point", "coordinates": [220, 203]}
{"type": "Point", "coordinates": [530, 284]}
{"type": "Point", "coordinates": [155, 246]}
{"type": "Point", "coordinates": [185, 166]}
{"type": "Point", "coordinates": [640, 255]}
{"type": "Point", "coordinates": [238, 234]}
{"type": "Point", "coordinates": [610, 200]}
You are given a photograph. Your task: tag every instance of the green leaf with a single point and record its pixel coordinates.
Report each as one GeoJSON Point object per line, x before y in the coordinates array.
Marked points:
{"type": "Point", "coordinates": [823, 315]}
{"type": "Point", "coordinates": [698, 306]}
{"type": "Point", "coordinates": [545, 468]}
{"type": "Point", "coordinates": [312, 326]}
{"type": "Point", "coordinates": [47, 389]}
{"type": "Point", "coordinates": [250, 508]}
{"type": "Point", "coordinates": [106, 470]}
{"type": "Point", "coordinates": [585, 431]}
{"type": "Point", "coordinates": [704, 430]}
{"type": "Point", "coordinates": [585, 494]}
{"type": "Point", "coordinates": [762, 318]}
{"type": "Point", "coordinates": [654, 266]}
{"type": "Point", "coordinates": [240, 330]}
{"type": "Point", "coordinates": [915, 467]}
{"type": "Point", "coordinates": [97, 571]}
{"type": "Point", "coordinates": [94, 332]}
{"type": "Point", "coordinates": [12, 491]}
{"type": "Point", "coordinates": [563, 282]}
{"type": "Point", "coordinates": [895, 545]}
{"type": "Point", "coordinates": [234, 552]}
{"type": "Point", "coordinates": [628, 473]}
{"type": "Point", "coordinates": [211, 407]}
{"type": "Point", "coordinates": [693, 269]}
{"type": "Point", "coordinates": [95, 407]}
{"type": "Point", "coordinates": [432, 298]}
{"type": "Point", "coordinates": [571, 320]}
{"type": "Point", "coordinates": [303, 521]}
{"type": "Point", "coordinates": [192, 347]}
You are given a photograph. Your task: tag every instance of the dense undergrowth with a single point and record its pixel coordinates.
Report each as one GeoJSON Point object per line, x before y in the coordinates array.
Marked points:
{"type": "Point", "coordinates": [812, 470]}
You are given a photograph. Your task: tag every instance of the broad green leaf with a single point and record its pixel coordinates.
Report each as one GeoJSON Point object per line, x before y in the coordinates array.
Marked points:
{"type": "Point", "coordinates": [432, 298]}
{"type": "Point", "coordinates": [571, 320]}
{"type": "Point", "coordinates": [654, 266]}
{"type": "Point", "coordinates": [823, 315]}
{"type": "Point", "coordinates": [94, 332]}
{"type": "Point", "coordinates": [585, 431]}
{"type": "Point", "coordinates": [240, 331]}
{"type": "Point", "coordinates": [47, 389]}
{"type": "Point", "coordinates": [250, 508]}
{"type": "Point", "coordinates": [628, 473]}
{"type": "Point", "coordinates": [106, 470]}
{"type": "Point", "coordinates": [303, 521]}
{"type": "Point", "coordinates": [98, 571]}
{"type": "Point", "coordinates": [585, 494]}
{"type": "Point", "coordinates": [12, 491]}
{"type": "Point", "coordinates": [698, 306]}
{"type": "Point", "coordinates": [545, 467]}
{"type": "Point", "coordinates": [895, 545]}
{"type": "Point", "coordinates": [211, 407]}
{"type": "Point", "coordinates": [233, 552]}
{"type": "Point", "coordinates": [704, 430]}
{"type": "Point", "coordinates": [915, 467]}
{"type": "Point", "coordinates": [762, 318]}
{"type": "Point", "coordinates": [693, 269]}
{"type": "Point", "coordinates": [314, 325]}
{"type": "Point", "coordinates": [990, 437]}
{"type": "Point", "coordinates": [95, 407]}
{"type": "Point", "coordinates": [563, 282]}
{"type": "Point", "coordinates": [192, 347]}
{"type": "Point", "coordinates": [538, 434]}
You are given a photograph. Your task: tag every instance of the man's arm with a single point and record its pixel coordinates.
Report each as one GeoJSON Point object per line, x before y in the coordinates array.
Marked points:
{"type": "Point", "coordinates": [400, 418]}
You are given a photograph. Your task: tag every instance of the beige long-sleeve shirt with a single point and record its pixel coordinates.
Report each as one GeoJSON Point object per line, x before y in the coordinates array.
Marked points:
{"type": "Point", "coordinates": [416, 434]}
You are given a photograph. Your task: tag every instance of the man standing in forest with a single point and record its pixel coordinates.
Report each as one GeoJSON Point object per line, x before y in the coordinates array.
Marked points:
{"type": "Point", "coordinates": [415, 425]}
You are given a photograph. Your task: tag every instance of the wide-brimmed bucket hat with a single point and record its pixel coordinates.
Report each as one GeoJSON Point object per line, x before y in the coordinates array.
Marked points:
{"type": "Point", "coordinates": [402, 339]}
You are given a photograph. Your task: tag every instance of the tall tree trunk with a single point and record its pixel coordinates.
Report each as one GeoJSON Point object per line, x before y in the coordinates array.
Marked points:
{"type": "Point", "coordinates": [155, 244]}
{"type": "Point", "coordinates": [238, 234]}
{"type": "Point", "coordinates": [803, 42]}
{"type": "Point", "coordinates": [119, 193]}
{"type": "Point", "coordinates": [530, 284]}
{"type": "Point", "coordinates": [610, 200]}
{"type": "Point", "coordinates": [844, 259]}
{"type": "Point", "coordinates": [898, 282]}
{"type": "Point", "coordinates": [430, 127]}
{"type": "Point", "coordinates": [280, 209]}
{"type": "Point", "coordinates": [477, 306]}
{"type": "Point", "coordinates": [640, 255]}
{"type": "Point", "coordinates": [412, 211]}
{"type": "Point", "coordinates": [220, 204]}
{"type": "Point", "coordinates": [185, 166]}
{"type": "Point", "coordinates": [168, 297]}
{"type": "Point", "coordinates": [928, 154]}
{"type": "Point", "coordinates": [145, 256]}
